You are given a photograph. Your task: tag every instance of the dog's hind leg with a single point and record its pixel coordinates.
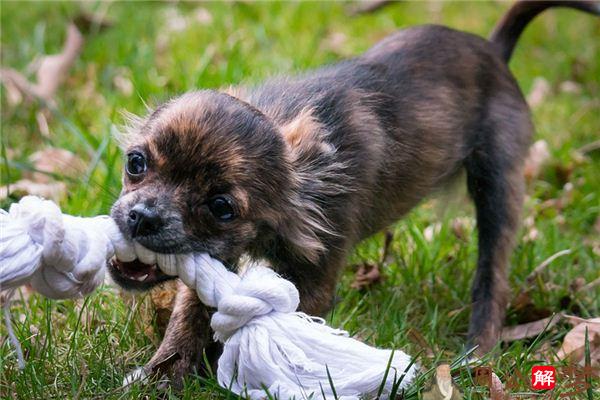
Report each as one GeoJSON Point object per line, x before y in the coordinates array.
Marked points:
{"type": "Point", "coordinates": [496, 185]}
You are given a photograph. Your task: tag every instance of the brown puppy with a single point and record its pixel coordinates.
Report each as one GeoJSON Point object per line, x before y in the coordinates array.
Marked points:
{"type": "Point", "coordinates": [298, 170]}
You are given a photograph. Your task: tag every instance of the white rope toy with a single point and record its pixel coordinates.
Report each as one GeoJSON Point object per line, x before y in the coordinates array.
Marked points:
{"type": "Point", "coordinates": [266, 343]}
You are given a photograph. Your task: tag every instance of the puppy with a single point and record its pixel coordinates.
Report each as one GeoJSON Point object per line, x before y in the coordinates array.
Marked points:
{"type": "Point", "coordinates": [298, 170]}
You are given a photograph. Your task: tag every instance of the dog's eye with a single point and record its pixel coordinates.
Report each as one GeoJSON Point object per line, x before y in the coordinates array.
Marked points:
{"type": "Point", "coordinates": [222, 208]}
{"type": "Point", "coordinates": [136, 164]}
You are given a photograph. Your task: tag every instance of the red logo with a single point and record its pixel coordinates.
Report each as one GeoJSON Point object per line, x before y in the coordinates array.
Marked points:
{"type": "Point", "coordinates": [543, 377]}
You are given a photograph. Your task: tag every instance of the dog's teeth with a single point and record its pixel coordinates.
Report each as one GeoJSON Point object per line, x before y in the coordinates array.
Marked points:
{"type": "Point", "coordinates": [142, 278]}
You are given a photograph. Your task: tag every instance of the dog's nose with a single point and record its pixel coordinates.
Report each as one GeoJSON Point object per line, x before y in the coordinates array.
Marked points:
{"type": "Point", "coordinates": [143, 220]}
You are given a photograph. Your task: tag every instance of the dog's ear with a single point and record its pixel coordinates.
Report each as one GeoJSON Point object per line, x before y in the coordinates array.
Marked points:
{"type": "Point", "coordinates": [305, 137]}
{"type": "Point", "coordinates": [316, 175]}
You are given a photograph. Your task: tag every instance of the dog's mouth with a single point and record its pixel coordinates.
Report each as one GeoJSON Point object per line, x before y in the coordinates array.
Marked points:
{"type": "Point", "coordinates": [136, 275]}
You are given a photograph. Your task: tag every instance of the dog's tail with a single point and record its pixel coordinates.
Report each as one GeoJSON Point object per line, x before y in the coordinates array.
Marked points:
{"type": "Point", "coordinates": [510, 27]}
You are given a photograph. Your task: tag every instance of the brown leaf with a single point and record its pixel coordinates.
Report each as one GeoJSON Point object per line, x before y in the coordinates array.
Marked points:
{"type": "Point", "coordinates": [430, 231]}
{"type": "Point", "coordinates": [53, 160]}
{"type": "Point", "coordinates": [335, 42]}
{"type": "Point", "coordinates": [496, 388]}
{"type": "Point", "coordinates": [54, 191]}
{"type": "Point", "coordinates": [174, 20]}
{"type": "Point", "coordinates": [530, 329]}
{"type": "Point", "coordinates": [52, 70]}
{"type": "Point", "coordinates": [366, 275]}
{"type": "Point", "coordinates": [573, 347]}
{"type": "Point", "coordinates": [570, 87]}
{"type": "Point", "coordinates": [203, 16]}
{"type": "Point", "coordinates": [417, 337]}
{"type": "Point", "coordinates": [461, 227]}
{"type": "Point", "coordinates": [122, 82]}
{"type": "Point", "coordinates": [368, 6]}
{"type": "Point", "coordinates": [442, 387]}
{"type": "Point", "coordinates": [539, 91]}
{"type": "Point", "coordinates": [537, 158]}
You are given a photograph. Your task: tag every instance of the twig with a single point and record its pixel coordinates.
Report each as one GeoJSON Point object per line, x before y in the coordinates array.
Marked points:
{"type": "Point", "coordinates": [369, 6]}
{"type": "Point", "coordinates": [591, 285]}
{"type": "Point", "coordinates": [588, 148]}
{"type": "Point", "coordinates": [538, 270]}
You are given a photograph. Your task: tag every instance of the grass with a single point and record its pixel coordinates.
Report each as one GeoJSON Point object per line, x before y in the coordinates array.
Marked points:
{"type": "Point", "coordinates": [83, 348]}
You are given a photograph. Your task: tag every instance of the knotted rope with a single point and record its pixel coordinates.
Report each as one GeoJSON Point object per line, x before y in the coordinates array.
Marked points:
{"type": "Point", "coordinates": [266, 343]}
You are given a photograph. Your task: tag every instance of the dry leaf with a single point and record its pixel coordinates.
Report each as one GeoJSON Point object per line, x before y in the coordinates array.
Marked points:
{"type": "Point", "coordinates": [531, 235]}
{"type": "Point", "coordinates": [539, 92]}
{"type": "Point", "coordinates": [530, 329]}
{"type": "Point", "coordinates": [335, 42]}
{"type": "Point", "coordinates": [54, 191]}
{"type": "Point", "coordinates": [366, 275]}
{"type": "Point", "coordinates": [203, 16]}
{"type": "Point", "coordinates": [538, 157]}
{"type": "Point", "coordinates": [570, 87]}
{"type": "Point", "coordinates": [122, 82]}
{"type": "Point", "coordinates": [417, 337]}
{"type": "Point", "coordinates": [573, 347]}
{"type": "Point", "coordinates": [368, 6]}
{"type": "Point", "coordinates": [52, 70]}
{"type": "Point", "coordinates": [496, 388]}
{"type": "Point", "coordinates": [54, 161]}
{"type": "Point", "coordinates": [461, 227]}
{"type": "Point", "coordinates": [443, 387]}
{"type": "Point", "coordinates": [39, 182]}
{"type": "Point", "coordinates": [431, 231]}
{"type": "Point", "coordinates": [174, 21]}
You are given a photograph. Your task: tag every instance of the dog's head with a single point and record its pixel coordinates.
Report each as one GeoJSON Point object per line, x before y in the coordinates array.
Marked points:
{"type": "Point", "coordinates": [203, 173]}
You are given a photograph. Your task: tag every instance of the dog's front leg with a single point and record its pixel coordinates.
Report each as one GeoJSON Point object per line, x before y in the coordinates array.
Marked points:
{"type": "Point", "coordinates": [187, 338]}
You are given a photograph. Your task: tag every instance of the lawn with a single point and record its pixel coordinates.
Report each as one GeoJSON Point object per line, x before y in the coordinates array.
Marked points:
{"type": "Point", "coordinates": [152, 51]}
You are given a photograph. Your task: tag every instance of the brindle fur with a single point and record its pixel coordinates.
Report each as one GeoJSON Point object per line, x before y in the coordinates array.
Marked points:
{"type": "Point", "coordinates": [318, 162]}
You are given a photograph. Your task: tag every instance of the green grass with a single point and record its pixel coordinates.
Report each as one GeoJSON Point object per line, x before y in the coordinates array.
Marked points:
{"type": "Point", "coordinates": [82, 349]}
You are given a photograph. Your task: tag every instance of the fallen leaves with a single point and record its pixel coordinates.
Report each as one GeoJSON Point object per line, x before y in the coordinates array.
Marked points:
{"type": "Point", "coordinates": [442, 387]}
{"type": "Point", "coordinates": [53, 191]}
{"type": "Point", "coordinates": [368, 6]}
{"type": "Point", "coordinates": [122, 82]}
{"type": "Point", "coordinates": [539, 91]}
{"type": "Point", "coordinates": [39, 182]}
{"type": "Point", "coordinates": [52, 71]}
{"type": "Point", "coordinates": [529, 329]}
{"type": "Point", "coordinates": [573, 347]}
{"type": "Point", "coordinates": [367, 275]}
{"type": "Point", "coordinates": [336, 42]}
{"type": "Point", "coordinates": [538, 157]}
{"type": "Point", "coordinates": [57, 161]}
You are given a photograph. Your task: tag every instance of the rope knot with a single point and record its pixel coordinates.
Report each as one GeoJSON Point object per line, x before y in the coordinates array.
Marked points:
{"type": "Point", "coordinates": [259, 292]}
{"type": "Point", "coordinates": [60, 255]}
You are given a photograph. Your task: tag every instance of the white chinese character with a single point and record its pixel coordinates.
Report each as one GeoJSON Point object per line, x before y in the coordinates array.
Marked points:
{"type": "Point", "coordinates": [543, 378]}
